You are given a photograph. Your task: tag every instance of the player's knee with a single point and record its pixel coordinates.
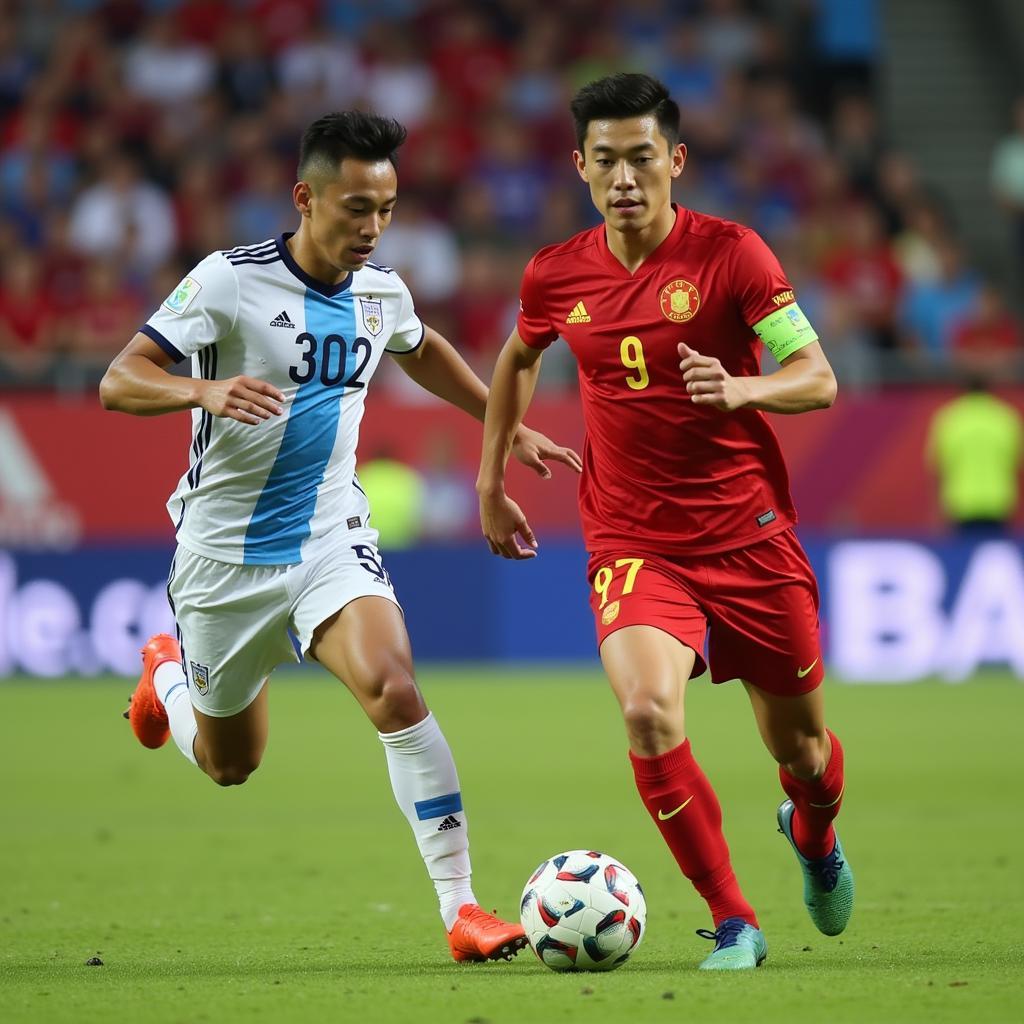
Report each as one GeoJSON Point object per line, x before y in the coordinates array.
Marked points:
{"type": "Point", "coordinates": [232, 773]}
{"type": "Point", "coordinates": [648, 719]}
{"type": "Point", "coordinates": [396, 700]}
{"type": "Point", "coordinates": [801, 755]}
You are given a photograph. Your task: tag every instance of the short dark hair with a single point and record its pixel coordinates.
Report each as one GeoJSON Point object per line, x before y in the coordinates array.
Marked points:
{"type": "Point", "coordinates": [331, 138]}
{"type": "Point", "coordinates": [626, 94]}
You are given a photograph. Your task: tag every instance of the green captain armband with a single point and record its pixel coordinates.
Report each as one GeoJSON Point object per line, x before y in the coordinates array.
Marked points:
{"type": "Point", "coordinates": [785, 331]}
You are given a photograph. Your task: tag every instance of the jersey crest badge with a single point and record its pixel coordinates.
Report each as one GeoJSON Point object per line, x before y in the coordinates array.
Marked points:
{"type": "Point", "coordinates": [610, 614]}
{"type": "Point", "coordinates": [200, 677]}
{"type": "Point", "coordinates": [183, 296]}
{"type": "Point", "coordinates": [680, 301]}
{"type": "Point", "coordinates": [373, 317]}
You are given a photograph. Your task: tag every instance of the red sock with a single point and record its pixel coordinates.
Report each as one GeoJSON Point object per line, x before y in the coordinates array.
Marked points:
{"type": "Point", "coordinates": [817, 803]}
{"type": "Point", "coordinates": [682, 803]}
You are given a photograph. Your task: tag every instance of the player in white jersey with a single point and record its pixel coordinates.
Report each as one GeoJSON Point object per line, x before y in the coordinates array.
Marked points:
{"type": "Point", "coordinates": [272, 526]}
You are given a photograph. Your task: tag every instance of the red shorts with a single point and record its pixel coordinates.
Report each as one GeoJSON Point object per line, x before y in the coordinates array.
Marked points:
{"type": "Point", "coordinates": [759, 604]}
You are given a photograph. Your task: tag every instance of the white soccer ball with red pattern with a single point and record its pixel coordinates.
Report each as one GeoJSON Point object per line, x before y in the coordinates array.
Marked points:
{"type": "Point", "coordinates": [583, 911]}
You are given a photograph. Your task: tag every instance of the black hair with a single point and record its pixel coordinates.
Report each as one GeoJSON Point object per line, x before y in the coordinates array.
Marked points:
{"type": "Point", "coordinates": [626, 94]}
{"type": "Point", "coordinates": [331, 138]}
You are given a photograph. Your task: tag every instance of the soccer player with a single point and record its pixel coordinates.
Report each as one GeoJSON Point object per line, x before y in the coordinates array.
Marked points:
{"type": "Point", "coordinates": [684, 498]}
{"type": "Point", "coordinates": [273, 528]}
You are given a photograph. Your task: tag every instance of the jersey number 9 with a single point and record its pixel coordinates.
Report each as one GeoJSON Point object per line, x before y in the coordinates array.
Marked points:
{"type": "Point", "coordinates": [631, 351]}
{"type": "Point", "coordinates": [331, 361]}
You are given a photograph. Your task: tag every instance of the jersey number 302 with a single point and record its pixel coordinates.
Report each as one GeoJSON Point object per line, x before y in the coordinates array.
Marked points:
{"type": "Point", "coordinates": [330, 360]}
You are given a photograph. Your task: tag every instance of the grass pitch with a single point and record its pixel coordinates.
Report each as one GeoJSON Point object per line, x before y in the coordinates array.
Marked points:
{"type": "Point", "coordinates": [300, 896]}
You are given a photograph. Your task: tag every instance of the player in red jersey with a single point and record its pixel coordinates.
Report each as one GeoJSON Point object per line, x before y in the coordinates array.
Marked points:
{"type": "Point", "coordinates": [684, 498]}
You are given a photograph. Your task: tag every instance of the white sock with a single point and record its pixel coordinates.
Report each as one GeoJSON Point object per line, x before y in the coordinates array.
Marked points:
{"type": "Point", "coordinates": [172, 691]}
{"type": "Point", "coordinates": [426, 787]}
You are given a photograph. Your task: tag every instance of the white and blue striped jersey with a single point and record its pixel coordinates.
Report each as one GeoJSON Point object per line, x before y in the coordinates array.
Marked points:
{"type": "Point", "coordinates": [260, 494]}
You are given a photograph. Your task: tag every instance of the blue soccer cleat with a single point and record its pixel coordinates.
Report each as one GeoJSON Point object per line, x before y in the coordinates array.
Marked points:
{"type": "Point", "coordinates": [739, 946]}
{"type": "Point", "coordinates": [828, 881]}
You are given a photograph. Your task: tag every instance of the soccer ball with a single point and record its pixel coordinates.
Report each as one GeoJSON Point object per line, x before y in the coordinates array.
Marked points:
{"type": "Point", "coordinates": [583, 911]}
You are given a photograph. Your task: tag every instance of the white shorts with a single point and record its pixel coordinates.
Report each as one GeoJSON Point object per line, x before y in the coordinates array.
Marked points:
{"type": "Point", "coordinates": [233, 620]}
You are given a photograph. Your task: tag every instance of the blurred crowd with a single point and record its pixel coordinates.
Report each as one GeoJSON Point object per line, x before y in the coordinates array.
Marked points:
{"type": "Point", "coordinates": [136, 136]}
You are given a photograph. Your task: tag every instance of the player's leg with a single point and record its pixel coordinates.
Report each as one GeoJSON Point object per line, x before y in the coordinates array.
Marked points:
{"type": "Point", "coordinates": [365, 644]}
{"type": "Point", "coordinates": [212, 699]}
{"type": "Point", "coordinates": [228, 749]}
{"type": "Point", "coordinates": [810, 759]}
{"type": "Point", "coordinates": [763, 608]}
{"type": "Point", "coordinates": [648, 670]}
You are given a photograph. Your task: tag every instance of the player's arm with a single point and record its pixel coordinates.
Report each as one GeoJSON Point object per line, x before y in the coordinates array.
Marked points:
{"type": "Point", "coordinates": [512, 386]}
{"type": "Point", "coordinates": [438, 368]}
{"type": "Point", "coordinates": [804, 381]}
{"type": "Point", "coordinates": [137, 382]}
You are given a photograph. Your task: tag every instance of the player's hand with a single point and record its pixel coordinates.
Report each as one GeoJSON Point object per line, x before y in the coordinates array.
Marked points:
{"type": "Point", "coordinates": [707, 382]}
{"type": "Point", "coordinates": [245, 399]}
{"type": "Point", "coordinates": [503, 522]}
{"type": "Point", "coordinates": [533, 449]}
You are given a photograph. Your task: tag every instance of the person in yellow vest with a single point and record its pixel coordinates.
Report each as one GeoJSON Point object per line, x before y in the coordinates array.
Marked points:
{"type": "Point", "coordinates": [395, 492]}
{"type": "Point", "coordinates": [976, 447]}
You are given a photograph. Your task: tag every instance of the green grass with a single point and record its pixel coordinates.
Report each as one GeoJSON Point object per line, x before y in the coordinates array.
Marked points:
{"type": "Point", "coordinates": [300, 896]}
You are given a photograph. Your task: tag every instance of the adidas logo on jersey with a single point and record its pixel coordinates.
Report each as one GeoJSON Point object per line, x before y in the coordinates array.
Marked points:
{"type": "Point", "coordinates": [282, 320]}
{"type": "Point", "coordinates": [579, 315]}
{"type": "Point", "coordinates": [449, 823]}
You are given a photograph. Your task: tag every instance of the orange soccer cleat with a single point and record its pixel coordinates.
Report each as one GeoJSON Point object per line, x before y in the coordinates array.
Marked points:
{"type": "Point", "coordinates": [478, 936]}
{"type": "Point", "coordinates": [145, 712]}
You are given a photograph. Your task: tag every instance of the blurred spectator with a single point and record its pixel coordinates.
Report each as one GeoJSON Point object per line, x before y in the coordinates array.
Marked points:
{"type": "Point", "coordinates": [601, 53]}
{"type": "Point", "coordinates": [976, 447]}
{"type": "Point", "coordinates": [165, 68]}
{"type": "Point", "coordinates": [449, 490]}
{"type": "Point", "coordinates": [785, 142]}
{"type": "Point", "coordinates": [284, 21]}
{"type": "Point", "coordinates": [1008, 177]}
{"type": "Point", "coordinates": [485, 307]}
{"type": "Point", "coordinates": [989, 339]}
{"type": "Point", "coordinates": [931, 309]}
{"type": "Point", "coordinates": [728, 33]}
{"type": "Point", "coordinates": [28, 318]}
{"type": "Point", "coordinates": [16, 67]}
{"type": "Point", "coordinates": [846, 40]}
{"type": "Point", "coordinates": [245, 73]}
{"type": "Point", "coordinates": [423, 251]}
{"type": "Point", "coordinates": [691, 76]}
{"type": "Point", "coordinates": [437, 156]}
{"type": "Point", "coordinates": [319, 72]}
{"type": "Point", "coordinates": [856, 141]}
{"type": "Point", "coordinates": [395, 492]}
{"type": "Point", "coordinates": [103, 320]}
{"type": "Point", "coordinates": [35, 152]}
{"type": "Point", "coordinates": [863, 270]}
{"type": "Point", "coordinates": [64, 267]}
{"type": "Point", "coordinates": [262, 208]}
{"type": "Point", "coordinates": [470, 61]}
{"type": "Point", "coordinates": [514, 174]}
{"type": "Point", "coordinates": [919, 243]}
{"type": "Point", "coordinates": [124, 216]}
{"type": "Point", "coordinates": [399, 83]}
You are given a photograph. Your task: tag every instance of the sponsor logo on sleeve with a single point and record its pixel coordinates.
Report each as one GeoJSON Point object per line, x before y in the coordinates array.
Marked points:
{"type": "Point", "coordinates": [783, 297]}
{"type": "Point", "coordinates": [183, 296]}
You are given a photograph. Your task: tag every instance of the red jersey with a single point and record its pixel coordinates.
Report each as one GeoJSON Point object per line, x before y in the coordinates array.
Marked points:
{"type": "Point", "coordinates": [660, 474]}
